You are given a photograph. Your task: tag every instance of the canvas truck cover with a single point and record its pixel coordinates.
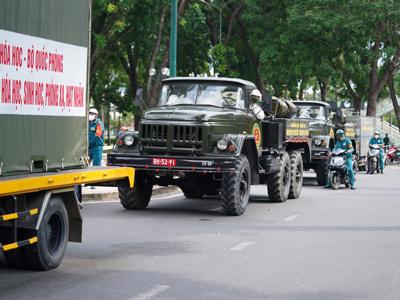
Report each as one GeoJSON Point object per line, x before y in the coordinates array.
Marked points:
{"type": "Point", "coordinates": [43, 76]}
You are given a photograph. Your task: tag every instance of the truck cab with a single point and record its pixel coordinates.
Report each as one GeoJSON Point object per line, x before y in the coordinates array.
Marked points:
{"type": "Point", "coordinates": [318, 114]}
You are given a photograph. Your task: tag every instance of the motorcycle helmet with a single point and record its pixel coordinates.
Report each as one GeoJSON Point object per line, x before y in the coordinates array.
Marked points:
{"type": "Point", "coordinates": [340, 132]}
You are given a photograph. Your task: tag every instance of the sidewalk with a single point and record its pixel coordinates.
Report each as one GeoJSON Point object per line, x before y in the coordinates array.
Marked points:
{"type": "Point", "coordinates": [101, 193]}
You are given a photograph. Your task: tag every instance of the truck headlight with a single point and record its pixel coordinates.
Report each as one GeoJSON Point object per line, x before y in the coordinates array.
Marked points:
{"type": "Point", "coordinates": [222, 144]}
{"type": "Point", "coordinates": [317, 142]}
{"type": "Point", "coordinates": [129, 140]}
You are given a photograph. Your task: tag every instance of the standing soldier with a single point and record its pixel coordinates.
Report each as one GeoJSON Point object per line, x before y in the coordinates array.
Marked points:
{"type": "Point", "coordinates": [96, 137]}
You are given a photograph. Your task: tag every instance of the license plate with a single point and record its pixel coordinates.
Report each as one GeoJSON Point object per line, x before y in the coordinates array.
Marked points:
{"type": "Point", "coordinates": [164, 162]}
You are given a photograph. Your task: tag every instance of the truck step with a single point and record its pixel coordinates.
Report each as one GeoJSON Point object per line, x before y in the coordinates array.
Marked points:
{"type": "Point", "coordinates": [18, 215]}
{"type": "Point", "coordinates": [19, 244]}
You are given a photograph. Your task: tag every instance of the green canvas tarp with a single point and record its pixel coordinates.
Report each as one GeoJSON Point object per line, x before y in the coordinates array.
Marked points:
{"type": "Point", "coordinates": [44, 48]}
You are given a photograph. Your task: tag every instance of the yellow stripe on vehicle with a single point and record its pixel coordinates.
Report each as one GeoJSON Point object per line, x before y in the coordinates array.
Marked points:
{"type": "Point", "coordinates": [33, 240]}
{"type": "Point", "coordinates": [64, 179]}
{"type": "Point", "coordinates": [10, 217]}
{"type": "Point", "coordinates": [34, 211]}
{"type": "Point", "coordinates": [10, 246]}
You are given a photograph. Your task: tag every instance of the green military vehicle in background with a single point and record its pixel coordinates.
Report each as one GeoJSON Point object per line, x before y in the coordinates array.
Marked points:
{"type": "Point", "coordinates": [205, 138]}
{"type": "Point", "coordinates": [321, 134]}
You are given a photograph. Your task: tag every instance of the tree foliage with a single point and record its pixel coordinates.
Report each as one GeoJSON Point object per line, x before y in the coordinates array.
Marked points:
{"type": "Point", "coordinates": [343, 49]}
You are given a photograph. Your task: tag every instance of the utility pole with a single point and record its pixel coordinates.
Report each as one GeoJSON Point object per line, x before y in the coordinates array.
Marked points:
{"type": "Point", "coordinates": [173, 38]}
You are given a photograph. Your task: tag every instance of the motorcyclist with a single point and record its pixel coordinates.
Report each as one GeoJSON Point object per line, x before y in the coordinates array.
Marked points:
{"type": "Point", "coordinates": [377, 140]}
{"type": "Point", "coordinates": [344, 143]}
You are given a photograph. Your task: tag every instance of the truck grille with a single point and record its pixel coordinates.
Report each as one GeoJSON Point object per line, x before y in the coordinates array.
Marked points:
{"type": "Point", "coordinates": [171, 139]}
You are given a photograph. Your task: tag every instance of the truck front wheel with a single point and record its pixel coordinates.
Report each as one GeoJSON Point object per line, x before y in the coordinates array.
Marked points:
{"type": "Point", "coordinates": [279, 183]}
{"type": "Point", "coordinates": [296, 183]}
{"type": "Point", "coordinates": [235, 188]}
{"type": "Point", "coordinates": [53, 232]}
{"type": "Point", "coordinates": [322, 172]}
{"type": "Point", "coordinates": [139, 197]}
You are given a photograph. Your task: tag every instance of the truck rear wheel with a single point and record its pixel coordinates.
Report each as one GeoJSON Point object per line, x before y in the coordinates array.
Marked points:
{"type": "Point", "coordinates": [296, 182]}
{"type": "Point", "coordinates": [279, 183]}
{"type": "Point", "coordinates": [139, 197]}
{"type": "Point", "coordinates": [235, 188]}
{"type": "Point", "coordinates": [322, 172]}
{"type": "Point", "coordinates": [53, 232]}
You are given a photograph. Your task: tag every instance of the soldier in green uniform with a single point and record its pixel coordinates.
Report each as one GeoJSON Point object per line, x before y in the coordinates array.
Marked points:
{"type": "Point", "coordinates": [377, 140]}
{"type": "Point", "coordinates": [344, 143]}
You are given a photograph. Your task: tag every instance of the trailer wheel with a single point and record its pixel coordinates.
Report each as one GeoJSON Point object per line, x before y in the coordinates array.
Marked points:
{"type": "Point", "coordinates": [139, 197]}
{"type": "Point", "coordinates": [235, 188]}
{"type": "Point", "coordinates": [322, 172]}
{"type": "Point", "coordinates": [296, 183]}
{"type": "Point", "coordinates": [279, 183]}
{"type": "Point", "coordinates": [53, 232]}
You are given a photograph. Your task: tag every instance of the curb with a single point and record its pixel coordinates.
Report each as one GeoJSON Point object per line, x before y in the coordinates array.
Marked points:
{"type": "Point", "coordinates": [113, 195]}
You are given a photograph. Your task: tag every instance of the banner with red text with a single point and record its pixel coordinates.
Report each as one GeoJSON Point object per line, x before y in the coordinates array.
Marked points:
{"type": "Point", "coordinates": [41, 77]}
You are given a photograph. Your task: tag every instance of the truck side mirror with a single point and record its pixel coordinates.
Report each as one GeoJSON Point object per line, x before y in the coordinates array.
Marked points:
{"type": "Point", "coordinates": [266, 102]}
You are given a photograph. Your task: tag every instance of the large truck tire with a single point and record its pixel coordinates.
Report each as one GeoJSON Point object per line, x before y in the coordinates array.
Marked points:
{"type": "Point", "coordinates": [279, 183]}
{"type": "Point", "coordinates": [235, 188]}
{"type": "Point", "coordinates": [53, 232]}
{"type": "Point", "coordinates": [296, 182]}
{"type": "Point", "coordinates": [138, 197]}
{"type": "Point", "coordinates": [322, 172]}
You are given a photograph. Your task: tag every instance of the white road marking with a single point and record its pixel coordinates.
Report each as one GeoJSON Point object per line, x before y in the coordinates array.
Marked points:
{"type": "Point", "coordinates": [291, 218]}
{"type": "Point", "coordinates": [241, 246]}
{"type": "Point", "coordinates": [154, 291]}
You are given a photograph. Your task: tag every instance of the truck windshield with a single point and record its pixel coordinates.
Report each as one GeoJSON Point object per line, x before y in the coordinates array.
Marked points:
{"type": "Point", "coordinates": [311, 112]}
{"type": "Point", "coordinates": [194, 93]}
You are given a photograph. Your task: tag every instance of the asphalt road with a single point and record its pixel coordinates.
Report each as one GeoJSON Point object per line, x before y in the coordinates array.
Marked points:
{"type": "Point", "coordinates": [326, 245]}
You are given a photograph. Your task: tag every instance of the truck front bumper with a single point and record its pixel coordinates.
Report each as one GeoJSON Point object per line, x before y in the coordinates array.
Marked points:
{"type": "Point", "coordinates": [181, 163]}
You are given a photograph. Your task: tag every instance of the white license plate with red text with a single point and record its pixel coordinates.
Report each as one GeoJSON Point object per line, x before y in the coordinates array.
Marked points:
{"type": "Point", "coordinates": [164, 162]}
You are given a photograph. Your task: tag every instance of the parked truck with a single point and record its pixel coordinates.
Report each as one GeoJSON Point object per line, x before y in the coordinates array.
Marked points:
{"type": "Point", "coordinates": [205, 138]}
{"type": "Point", "coordinates": [318, 114]}
{"type": "Point", "coordinates": [43, 137]}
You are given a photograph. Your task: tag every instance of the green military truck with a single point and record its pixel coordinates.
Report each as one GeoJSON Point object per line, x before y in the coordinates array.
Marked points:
{"type": "Point", "coordinates": [317, 113]}
{"type": "Point", "coordinates": [205, 138]}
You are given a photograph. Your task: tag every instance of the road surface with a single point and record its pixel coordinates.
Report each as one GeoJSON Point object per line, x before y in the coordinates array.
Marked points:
{"type": "Point", "coordinates": [326, 245]}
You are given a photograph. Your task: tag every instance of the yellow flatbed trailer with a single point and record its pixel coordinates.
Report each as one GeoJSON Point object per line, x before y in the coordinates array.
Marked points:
{"type": "Point", "coordinates": [40, 213]}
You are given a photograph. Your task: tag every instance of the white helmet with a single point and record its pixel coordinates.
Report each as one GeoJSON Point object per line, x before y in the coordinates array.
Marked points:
{"type": "Point", "coordinates": [377, 132]}
{"type": "Point", "coordinates": [93, 111]}
{"type": "Point", "coordinates": [256, 94]}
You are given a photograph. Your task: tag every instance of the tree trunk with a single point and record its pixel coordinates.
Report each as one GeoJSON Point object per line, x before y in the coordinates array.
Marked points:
{"type": "Point", "coordinates": [396, 106]}
{"type": "Point", "coordinates": [356, 98]}
{"type": "Point", "coordinates": [323, 87]}
{"type": "Point", "coordinates": [155, 83]}
{"type": "Point", "coordinates": [157, 46]}
{"type": "Point", "coordinates": [303, 85]}
{"type": "Point", "coordinates": [255, 60]}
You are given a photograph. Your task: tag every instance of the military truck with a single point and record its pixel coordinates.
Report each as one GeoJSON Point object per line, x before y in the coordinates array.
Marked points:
{"type": "Point", "coordinates": [205, 138]}
{"type": "Point", "coordinates": [43, 137]}
{"type": "Point", "coordinates": [321, 134]}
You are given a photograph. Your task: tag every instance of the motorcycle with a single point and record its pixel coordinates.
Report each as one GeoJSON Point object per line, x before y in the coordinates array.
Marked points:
{"type": "Point", "coordinates": [337, 174]}
{"type": "Point", "coordinates": [393, 155]}
{"type": "Point", "coordinates": [373, 159]}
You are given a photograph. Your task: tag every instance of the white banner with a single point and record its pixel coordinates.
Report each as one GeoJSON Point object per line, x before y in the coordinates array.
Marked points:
{"type": "Point", "coordinates": [41, 77]}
